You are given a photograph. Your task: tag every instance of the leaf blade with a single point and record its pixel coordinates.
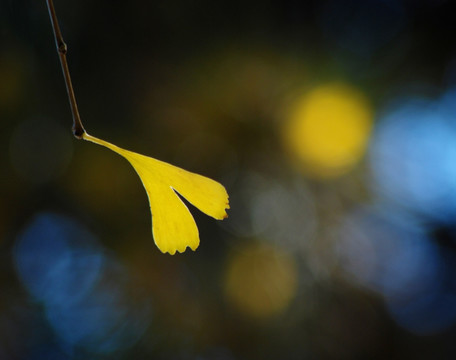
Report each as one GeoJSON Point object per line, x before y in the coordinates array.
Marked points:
{"type": "Point", "coordinates": [173, 226]}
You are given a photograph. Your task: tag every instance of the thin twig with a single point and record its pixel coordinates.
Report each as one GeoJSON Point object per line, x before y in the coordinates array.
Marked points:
{"type": "Point", "coordinates": [78, 129]}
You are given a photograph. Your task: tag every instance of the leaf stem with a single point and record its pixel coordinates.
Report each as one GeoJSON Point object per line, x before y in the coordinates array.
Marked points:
{"type": "Point", "coordinates": [78, 129]}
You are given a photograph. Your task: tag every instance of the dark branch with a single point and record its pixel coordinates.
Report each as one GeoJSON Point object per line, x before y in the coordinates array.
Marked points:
{"type": "Point", "coordinates": [78, 129]}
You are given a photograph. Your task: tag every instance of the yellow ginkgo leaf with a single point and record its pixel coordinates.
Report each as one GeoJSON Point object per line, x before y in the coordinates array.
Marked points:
{"type": "Point", "coordinates": [173, 226]}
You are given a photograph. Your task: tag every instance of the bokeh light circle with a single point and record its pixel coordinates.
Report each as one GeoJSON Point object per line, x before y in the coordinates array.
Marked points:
{"type": "Point", "coordinates": [390, 252]}
{"type": "Point", "coordinates": [387, 251]}
{"type": "Point", "coordinates": [413, 156]}
{"type": "Point", "coordinates": [261, 280]}
{"type": "Point", "coordinates": [328, 129]}
{"type": "Point", "coordinates": [81, 288]}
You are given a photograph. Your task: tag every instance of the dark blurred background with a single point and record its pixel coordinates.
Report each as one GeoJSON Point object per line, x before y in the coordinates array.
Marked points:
{"type": "Point", "coordinates": [332, 126]}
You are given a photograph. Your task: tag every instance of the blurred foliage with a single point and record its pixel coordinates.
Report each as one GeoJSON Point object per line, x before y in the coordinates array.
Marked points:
{"type": "Point", "coordinates": [332, 125]}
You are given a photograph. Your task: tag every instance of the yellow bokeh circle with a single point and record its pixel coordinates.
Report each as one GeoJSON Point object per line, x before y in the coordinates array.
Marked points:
{"type": "Point", "coordinates": [328, 129]}
{"type": "Point", "coordinates": [260, 280]}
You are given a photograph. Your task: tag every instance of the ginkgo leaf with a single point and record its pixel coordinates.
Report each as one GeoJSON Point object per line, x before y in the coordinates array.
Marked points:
{"type": "Point", "coordinates": [173, 226]}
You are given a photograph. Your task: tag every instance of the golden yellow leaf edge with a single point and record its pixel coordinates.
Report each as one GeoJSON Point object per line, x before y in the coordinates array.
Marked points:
{"type": "Point", "coordinates": [173, 226]}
